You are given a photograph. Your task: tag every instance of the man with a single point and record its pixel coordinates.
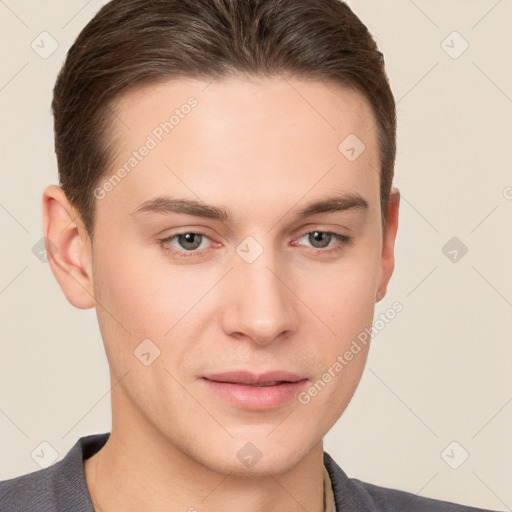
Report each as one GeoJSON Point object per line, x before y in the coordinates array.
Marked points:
{"type": "Point", "coordinates": [226, 205]}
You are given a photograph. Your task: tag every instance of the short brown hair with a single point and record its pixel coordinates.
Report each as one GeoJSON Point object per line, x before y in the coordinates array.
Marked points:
{"type": "Point", "coordinates": [130, 43]}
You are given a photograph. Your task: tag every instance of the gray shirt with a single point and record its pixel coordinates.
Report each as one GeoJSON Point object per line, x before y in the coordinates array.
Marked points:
{"type": "Point", "coordinates": [62, 488]}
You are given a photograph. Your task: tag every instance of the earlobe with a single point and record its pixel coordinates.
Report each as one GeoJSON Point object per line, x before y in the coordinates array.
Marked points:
{"type": "Point", "coordinates": [387, 263]}
{"type": "Point", "coordinates": [68, 248]}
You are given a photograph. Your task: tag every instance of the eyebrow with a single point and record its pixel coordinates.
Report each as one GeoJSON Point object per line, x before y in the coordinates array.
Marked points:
{"type": "Point", "coordinates": [167, 205]}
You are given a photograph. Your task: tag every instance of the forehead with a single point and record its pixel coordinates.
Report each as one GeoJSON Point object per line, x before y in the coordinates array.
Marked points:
{"type": "Point", "coordinates": [239, 141]}
{"type": "Point", "coordinates": [272, 103]}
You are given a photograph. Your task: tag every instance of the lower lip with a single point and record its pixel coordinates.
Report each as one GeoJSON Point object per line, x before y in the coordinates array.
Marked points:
{"type": "Point", "coordinates": [256, 398]}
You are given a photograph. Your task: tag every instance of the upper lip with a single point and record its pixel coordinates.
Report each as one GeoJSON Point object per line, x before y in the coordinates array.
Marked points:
{"type": "Point", "coordinates": [248, 378]}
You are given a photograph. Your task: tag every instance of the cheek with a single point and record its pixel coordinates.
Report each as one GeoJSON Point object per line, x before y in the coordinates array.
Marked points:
{"type": "Point", "coordinates": [127, 304]}
{"type": "Point", "coordinates": [140, 301]}
{"type": "Point", "coordinates": [139, 293]}
{"type": "Point", "coordinates": [343, 296]}
{"type": "Point", "coordinates": [346, 307]}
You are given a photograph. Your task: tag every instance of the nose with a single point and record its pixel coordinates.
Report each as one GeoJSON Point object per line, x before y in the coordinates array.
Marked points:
{"type": "Point", "coordinates": [260, 306]}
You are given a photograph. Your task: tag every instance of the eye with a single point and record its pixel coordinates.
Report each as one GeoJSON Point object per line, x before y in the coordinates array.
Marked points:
{"type": "Point", "coordinates": [321, 241]}
{"type": "Point", "coordinates": [184, 244]}
{"type": "Point", "coordinates": [194, 243]}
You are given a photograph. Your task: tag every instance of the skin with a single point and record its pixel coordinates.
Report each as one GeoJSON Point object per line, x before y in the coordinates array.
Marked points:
{"type": "Point", "coordinates": [262, 149]}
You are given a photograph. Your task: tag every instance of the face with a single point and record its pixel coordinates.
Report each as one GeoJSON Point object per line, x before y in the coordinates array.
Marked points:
{"type": "Point", "coordinates": [226, 299]}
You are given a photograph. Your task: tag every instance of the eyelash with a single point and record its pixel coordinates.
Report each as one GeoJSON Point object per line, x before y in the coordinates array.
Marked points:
{"type": "Point", "coordinates": [343, 241]}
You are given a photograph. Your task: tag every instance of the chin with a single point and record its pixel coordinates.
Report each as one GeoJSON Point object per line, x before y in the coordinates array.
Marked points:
{"type": "Point", "coordinates": [256, 456]}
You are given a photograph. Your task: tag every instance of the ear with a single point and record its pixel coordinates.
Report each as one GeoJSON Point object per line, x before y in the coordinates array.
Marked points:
{"type": "Point", "coordinates": [387, 261]}
{"type": "Point", "coordinates": [68, 248]}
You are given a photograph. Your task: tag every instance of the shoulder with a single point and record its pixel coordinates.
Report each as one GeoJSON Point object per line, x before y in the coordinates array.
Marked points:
{"type": "Point", "coordinates": [391, 500]}
{"type": "Point", "coordinates": [353, 494]}
{"type": "Point", "coordinates": [58, 487]}
{"type": "Point", "coordinates": [25, 492]}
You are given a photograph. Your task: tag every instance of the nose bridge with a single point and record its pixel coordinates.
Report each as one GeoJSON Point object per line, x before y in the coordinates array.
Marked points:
{"type": "Point", "coordinates": [262, 306]}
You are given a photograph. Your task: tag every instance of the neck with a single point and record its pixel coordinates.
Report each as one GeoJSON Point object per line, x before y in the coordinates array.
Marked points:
{"type": "Point", "coordinates": [138, 469]}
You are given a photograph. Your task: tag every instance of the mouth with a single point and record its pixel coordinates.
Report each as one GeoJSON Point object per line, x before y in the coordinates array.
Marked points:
{"type": "Point", "coordinates": [263, 384]}
{"type": "Point", "coordinates": [244, 378]}
{"type": "Point", "coordinates": [252, 391]}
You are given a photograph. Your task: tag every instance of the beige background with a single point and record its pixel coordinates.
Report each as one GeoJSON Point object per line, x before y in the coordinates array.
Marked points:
{"type": "Point", "coordinates": [439, 372]}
